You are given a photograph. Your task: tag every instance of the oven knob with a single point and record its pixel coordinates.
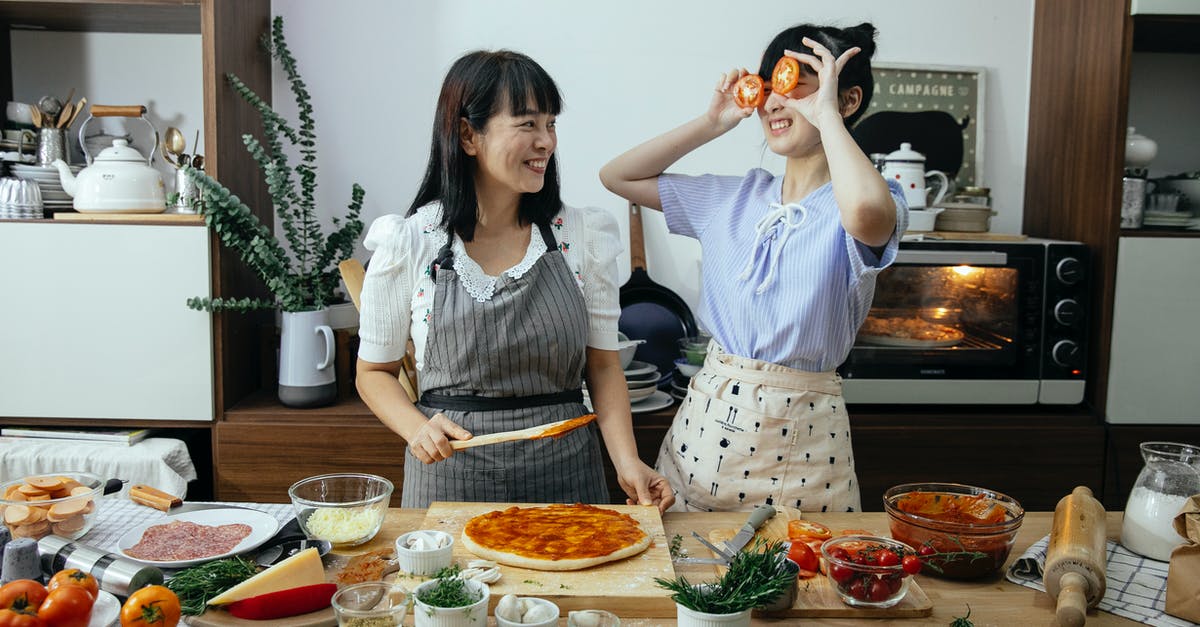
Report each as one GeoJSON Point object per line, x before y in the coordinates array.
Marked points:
{"type": "Point", "coordinates": [1069, 270]}
{"type": "Point", "coordinates": [1066, 354]}
{"type": "Point", "coordinates": [1067, 311]}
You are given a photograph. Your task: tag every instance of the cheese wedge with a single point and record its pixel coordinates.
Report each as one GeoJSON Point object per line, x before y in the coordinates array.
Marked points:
{"type": "Point", "coordinates": [301, 569]}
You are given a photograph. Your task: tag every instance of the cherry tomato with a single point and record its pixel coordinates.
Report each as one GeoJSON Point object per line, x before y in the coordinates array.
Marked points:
{"type": "Point", "coordinates": [749, 92]}
{"type": "Point", "coordinates": [894, 582]}
{"type": "Point", "coordinates": [801, 528]}
{"type": "Point", "coordinates": [74, 577]}
{"type": "Point", "coordinates": [67, 606]}
{"type": "Point", "coordinates": [925, 550]}
{"type": "Point", "coordinates": [879, 591]}
{"type": "Point", "coordinates": [152, 606]}
{"type": "Point", "coordinates": [804, 556]}
{"type": "Point", "coordinates": [20, 618]}
{"type": "Point", "coordinates": [22, 594]}
{"type": "Point", "coordinates": [859, 589]}
{"type": "Point", "coordinates": [840, 572]}
{"type": "Point", "coordinates": [840, 553]}
{"type": "Point", "coordinates": [786, 75]}
{"type": "Point", "coordinates": [887, 557]}
{"type": "Point", "coordinates": [911, 564]}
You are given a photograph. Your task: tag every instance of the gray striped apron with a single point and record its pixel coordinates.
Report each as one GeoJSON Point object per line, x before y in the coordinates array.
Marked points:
{"type": "Point", "coordinates": [512, 362]}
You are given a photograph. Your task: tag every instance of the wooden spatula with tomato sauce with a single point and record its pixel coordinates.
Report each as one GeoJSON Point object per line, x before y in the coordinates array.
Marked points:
{"type": "Point", "coordinates": [552, 430]}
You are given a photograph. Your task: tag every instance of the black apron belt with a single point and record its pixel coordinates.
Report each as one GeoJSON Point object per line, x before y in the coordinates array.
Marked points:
{"type": "Point", "coordinates": [484, 403]}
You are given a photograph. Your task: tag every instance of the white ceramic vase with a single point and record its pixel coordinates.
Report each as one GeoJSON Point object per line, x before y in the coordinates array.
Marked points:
{"type": "Point", "coordinates": [306, 354]}
{"type": "Point", "coordinates": [685, 617]}
{"type": "Point", "coordinates": [470, 616]}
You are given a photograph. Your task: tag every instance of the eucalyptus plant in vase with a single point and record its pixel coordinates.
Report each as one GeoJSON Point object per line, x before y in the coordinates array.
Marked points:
{"type": "Point", "coordinates": [301, 278]}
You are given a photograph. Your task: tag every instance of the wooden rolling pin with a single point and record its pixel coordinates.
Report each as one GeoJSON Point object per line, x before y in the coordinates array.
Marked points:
{"type": "Point", "coordinates": [1076, 557]}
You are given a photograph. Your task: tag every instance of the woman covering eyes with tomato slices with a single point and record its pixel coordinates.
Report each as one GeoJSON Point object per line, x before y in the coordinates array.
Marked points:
{"type": "Point", "coordinates": [789, 266]}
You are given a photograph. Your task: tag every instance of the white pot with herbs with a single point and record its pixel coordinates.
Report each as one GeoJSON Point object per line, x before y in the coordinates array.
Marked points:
{"type": "Point", "coordinates": [756, 578]}
{"type": "Point", "coordinates": [448, 600]}
{"type": "Point", "coordinates": [302, 278]}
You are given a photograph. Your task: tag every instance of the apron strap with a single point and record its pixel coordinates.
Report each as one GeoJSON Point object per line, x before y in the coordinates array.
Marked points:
{"type": "Point", "coordinates": [489, 403]}
{"type": "Point", "coordinates": [445, 256]}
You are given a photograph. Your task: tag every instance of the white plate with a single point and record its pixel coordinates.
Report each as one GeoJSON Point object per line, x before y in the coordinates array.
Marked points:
{"type": "Point", "coordinates": [105, 610]}
{"type": "Point", "coordinates": [262, 527]}
{"type": "Point", "coordinates": [638, 394]}
{"type": "Point", "coordinates": [654, 402]}
{"type": "Point", "coordinates": [639, 367]}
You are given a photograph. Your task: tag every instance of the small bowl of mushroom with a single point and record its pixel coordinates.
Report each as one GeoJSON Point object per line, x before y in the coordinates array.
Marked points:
{"type": "Point", "coordinates": [424, 552]}
{"type": "Point", "coordinates": [515, 611]}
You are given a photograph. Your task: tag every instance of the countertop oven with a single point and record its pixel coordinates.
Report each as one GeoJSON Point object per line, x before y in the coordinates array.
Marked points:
{"type": "Point", "coordinates": [971, 322]}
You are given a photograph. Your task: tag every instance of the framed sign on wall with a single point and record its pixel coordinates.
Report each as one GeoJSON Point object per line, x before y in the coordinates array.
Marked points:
{"type": "Point", "coordinates": [938, 109]}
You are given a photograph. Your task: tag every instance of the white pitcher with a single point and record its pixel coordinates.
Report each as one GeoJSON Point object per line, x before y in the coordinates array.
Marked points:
{"type": "Point", "coordinates": [907, 167]}
{"type": "Point", "coordinates": [306, 355]}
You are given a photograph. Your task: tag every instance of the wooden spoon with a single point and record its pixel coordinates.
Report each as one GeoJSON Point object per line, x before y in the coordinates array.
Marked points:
{"type": "Point", "coordinates": [64, 116]}
{"type": "Point", "coordinates": [78, 108]}
{"type": "Point", "coordinates": [37, 116]}
{"type": "Point", "coordinates": [552, 430]}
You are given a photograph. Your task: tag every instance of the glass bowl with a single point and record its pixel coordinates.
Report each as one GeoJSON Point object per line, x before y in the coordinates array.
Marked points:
{"type": "Point", "coordinates": [693, 348]}
{"type": "Point", "coordinates": [62, 503]}
{"type": "Point", "coordinates": [345, 509]}
{"type": "Point", "coordinates": [960, 531]}
{"type": "Point", "coordinates": [856, 572]}
{"type": "Point", "coordinates": [371, 603]}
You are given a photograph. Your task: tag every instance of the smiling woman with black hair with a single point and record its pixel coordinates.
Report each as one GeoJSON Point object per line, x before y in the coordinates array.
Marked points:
{"type": "Point", "coordinates": [510, 299]}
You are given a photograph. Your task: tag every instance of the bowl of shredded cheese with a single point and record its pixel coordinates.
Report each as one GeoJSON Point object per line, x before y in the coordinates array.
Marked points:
{"type": "Point", "coordinates": [346, 509]}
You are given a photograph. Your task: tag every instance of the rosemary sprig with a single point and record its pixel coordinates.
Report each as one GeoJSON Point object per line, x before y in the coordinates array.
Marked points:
{"type": "Point", "coordinates": [196, 585]}
{"type": "Point", "coordinates": [963, 621]}
{"type": "Point", "coordinates": [449, 590]}
{"type": "Point", "coordinates": [934, 561]}
{"type": "Point", "coordinates": [755, 578]}
{"type": "Point", "coordinates": [676, 547]}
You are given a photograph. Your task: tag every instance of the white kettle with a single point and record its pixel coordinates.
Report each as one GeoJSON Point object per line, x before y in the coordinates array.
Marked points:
{"type": "Point", "coordinates": [907, 167]}
{"type": "Point", "coordinates": [119, 179]}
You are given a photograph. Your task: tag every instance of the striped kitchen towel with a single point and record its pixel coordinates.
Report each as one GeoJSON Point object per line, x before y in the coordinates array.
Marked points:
{"type": "Point", "coordinates": [1136, 588]}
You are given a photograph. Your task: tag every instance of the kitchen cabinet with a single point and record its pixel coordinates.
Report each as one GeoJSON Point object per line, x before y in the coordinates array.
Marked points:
{"type": "Point", "coordinates": [229, 32]}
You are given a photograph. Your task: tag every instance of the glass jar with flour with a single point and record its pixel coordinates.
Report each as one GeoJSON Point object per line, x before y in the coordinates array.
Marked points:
{"type": "Point", "coordinates": [1170, 476]}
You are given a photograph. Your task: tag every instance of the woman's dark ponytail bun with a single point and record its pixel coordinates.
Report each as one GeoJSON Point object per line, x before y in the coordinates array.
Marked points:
{"type": "Point", "coordinates": [863, 36]}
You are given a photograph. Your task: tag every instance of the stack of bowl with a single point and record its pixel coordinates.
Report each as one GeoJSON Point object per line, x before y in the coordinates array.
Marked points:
{"type": "Point", "coordinates": [20, 200]}
{"type": "Point", "coordinates": [692, 350]}
{"type": "Point", "coordinates": [54, 198]}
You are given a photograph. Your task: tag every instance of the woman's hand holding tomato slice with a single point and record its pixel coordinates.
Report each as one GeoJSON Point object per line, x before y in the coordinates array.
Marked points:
{"type": "Point", "coordinates": [724, 111]}
{"type": "Point", "coordinates": [824, 101]}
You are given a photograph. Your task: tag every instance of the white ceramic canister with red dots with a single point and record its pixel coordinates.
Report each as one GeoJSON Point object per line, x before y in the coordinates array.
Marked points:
{"type": "Point", "coordinates": [907, 167]}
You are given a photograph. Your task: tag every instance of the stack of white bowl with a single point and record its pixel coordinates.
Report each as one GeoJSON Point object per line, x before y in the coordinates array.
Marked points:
{"type": "Point", "coordinates": [54, 199]}
{"type": "Point", "coordinates": [20, 200]}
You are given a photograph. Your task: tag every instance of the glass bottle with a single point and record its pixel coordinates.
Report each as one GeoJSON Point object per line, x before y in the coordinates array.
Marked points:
{"type": "Point", "coordinates": [1170, 476]}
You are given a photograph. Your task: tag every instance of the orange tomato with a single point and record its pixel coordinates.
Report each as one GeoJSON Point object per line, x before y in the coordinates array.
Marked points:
{"type": "Point", "coordinates": [74, 577]}
{"type": "Point", "coordinates": [22, 594]}
{"type": "Point", "coordinates": [786, 75]}
{"type": "Point", "coordinates": [804, 557]}
{"type": "Point", "coordinates": [20, 618]}
{"type": "Point", "coordinates": [804, 530]}
{"type": "Point", "coordinates": [152, 606]}
{"type": "Point", "coordinates": [67, 606]}
{"type": "Point", "coordinates": [749, 92]}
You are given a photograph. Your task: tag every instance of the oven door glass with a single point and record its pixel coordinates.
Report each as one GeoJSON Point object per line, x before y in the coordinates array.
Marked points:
{"type": "Point", "coordinates": [947, 322]}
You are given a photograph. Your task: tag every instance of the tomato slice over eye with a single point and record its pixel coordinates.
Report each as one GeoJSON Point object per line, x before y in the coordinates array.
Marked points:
{"type": "Point", "coordinates": [786, 75]}
{"type": "Point", "coordinates": [748, 93]}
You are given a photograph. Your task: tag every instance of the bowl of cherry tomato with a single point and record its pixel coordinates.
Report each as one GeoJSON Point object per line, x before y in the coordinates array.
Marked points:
{"type": "Point", "coordinates": [870, 571]}
{"type": "Point", "coordinates": [960, 531]}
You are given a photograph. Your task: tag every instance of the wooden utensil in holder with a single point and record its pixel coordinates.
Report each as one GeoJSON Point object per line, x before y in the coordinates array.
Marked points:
{"type": "Point", "coordinates": [1076, 557]}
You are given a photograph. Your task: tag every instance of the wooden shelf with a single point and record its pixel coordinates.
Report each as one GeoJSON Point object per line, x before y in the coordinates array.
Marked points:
{"type": "Point", "coordinates": [114, 16]}
{"type": "Point", "coordinates": [1153, 232]}
{"type": "Point", "coordinates": [1165, 33]}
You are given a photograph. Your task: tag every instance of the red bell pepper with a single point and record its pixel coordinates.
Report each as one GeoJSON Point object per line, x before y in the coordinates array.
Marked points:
{"type": "Point", "coordinates": [284, 603]}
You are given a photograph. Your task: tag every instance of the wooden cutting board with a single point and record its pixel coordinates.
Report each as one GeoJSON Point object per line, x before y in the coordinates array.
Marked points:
{"type": "Point", "coordinates": [817, 597]}
{"type": "Point", "coordinates": [625, 587]}
{"type": "Point", "coordinates": [140, 218]}
{"type": "Point", "coordinates": [221, 618]}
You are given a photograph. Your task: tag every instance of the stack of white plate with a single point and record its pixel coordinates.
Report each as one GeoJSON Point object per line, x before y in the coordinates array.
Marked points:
{"type": "Point", "coordinates": [644, 396]}
{"type": "Point", "coordinates": [54, 199]}
{"type": "Point", "coordinates": [1176, 219]}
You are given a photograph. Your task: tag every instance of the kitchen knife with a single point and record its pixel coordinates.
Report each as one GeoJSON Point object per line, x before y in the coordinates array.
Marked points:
{"type": "Point", "coordinates": [757, 518]}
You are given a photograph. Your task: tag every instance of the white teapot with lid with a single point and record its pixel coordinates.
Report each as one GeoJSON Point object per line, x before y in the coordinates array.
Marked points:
{"type": "Point", "coordinates": [119, 179]}
{"type": "Point", "coordinates": [907, 167]}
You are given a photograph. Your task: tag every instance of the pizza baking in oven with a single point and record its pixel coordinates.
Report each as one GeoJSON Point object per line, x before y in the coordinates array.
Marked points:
{"type": "Point", "coordinates": [554, 537]}
{"type": "Point", "coordinates": [896, 331]}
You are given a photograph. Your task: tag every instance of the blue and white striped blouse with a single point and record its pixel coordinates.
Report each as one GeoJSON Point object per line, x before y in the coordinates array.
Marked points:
{"type": "Point", "coordinates": [781, 284]}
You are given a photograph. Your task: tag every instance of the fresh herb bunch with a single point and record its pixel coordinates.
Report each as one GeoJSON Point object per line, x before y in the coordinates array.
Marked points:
{"type": "Point", "coordinates": [676, 547]}
{"type": "Point", "coordinates": [304, 280]}
{"type": "Point", "coordinates": [755, 578]}
{"type": "Point", "coordinates": [963, 621]}
{"type": "Point", "coordinates": [449, 590]}
{"type": "Point", "coordinates": [196, 585]}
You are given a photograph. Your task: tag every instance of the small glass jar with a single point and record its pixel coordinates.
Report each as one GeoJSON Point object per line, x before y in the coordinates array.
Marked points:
{"type": "Point", "coordinates": [975, 195]}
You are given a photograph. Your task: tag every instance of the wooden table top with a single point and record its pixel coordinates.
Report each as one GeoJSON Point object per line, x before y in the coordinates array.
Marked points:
{"type": "Point", "coordinates": [993, 601]}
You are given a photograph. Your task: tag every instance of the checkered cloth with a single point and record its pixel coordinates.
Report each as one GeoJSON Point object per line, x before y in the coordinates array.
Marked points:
{"type": "Point", "coordinates": [116, 515]}
{"type": "Point", "coordinates": [1136, 588]}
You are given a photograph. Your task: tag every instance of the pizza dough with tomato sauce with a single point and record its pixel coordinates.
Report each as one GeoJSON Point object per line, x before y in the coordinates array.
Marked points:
{"type": "Point", "coordinates": [555, 537]}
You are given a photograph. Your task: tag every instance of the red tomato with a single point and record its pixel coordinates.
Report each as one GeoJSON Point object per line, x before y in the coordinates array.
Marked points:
{"type": "Point", "coordinates": [911, 564]}
{"type": "Point", "coordinates": [925, 550]}
{"type": "Point", "coordinates": [859, 589]}
{"type": "Point", "coordinates": [74, 577]}
{"type": "Point", "coordinates": [152, 606]}
{"type": "Point", "coordinates": [786, 75]}
{"type": "Point", "coordinates": [804, 556]}
{"type": "Point", "coordinates": [21, 594]}
{"type": "Point", "coordinates": [22, 618]}
{"type": "Point", "coordinates": [840, 573]}
{"type": "Point", "coordinates": [879, 591]}
{"type": "Point", "coordinates": [887, 557]}
{"type": "Point", "coordinates": [67, 606]}
{"type": "Point", "coordinates": [806, 529]}
{"type": "Point", "coordinates": [749, 92]}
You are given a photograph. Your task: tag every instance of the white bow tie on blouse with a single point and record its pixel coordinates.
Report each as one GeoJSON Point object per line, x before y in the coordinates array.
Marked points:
{"type": "Point", "coordinates": [778, 224]}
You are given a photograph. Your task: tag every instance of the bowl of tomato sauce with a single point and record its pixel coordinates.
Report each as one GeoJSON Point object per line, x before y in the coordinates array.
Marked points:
{"type": "Point", "coordinates": [959, 531]}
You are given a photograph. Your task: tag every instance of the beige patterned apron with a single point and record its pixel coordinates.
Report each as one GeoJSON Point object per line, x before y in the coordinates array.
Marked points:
{"type": "Point", "coordinates": [751, 433]}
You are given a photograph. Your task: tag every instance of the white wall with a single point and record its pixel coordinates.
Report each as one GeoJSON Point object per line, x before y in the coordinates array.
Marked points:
{"type": "Point", "coordinates": [1163, 92]}
{"type": "Point", "coordinates": [628, 69]}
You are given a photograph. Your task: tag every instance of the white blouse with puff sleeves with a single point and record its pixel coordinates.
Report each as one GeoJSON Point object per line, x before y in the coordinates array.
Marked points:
{"type": "Point", "coordinates": [397, 295]}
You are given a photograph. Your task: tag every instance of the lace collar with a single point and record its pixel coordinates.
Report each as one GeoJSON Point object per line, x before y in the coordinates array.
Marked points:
{"type": "Point", "coordinates": [482, 286]}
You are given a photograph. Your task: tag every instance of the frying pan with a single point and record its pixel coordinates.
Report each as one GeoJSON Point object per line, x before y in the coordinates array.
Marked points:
{"type": "Point", "coordinates": [650, 311]}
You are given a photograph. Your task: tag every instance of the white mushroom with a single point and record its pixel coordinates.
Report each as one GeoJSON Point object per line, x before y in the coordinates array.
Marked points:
{"type": "Point", "coordinates": [538, 612]}
{"type": "Point", "coordinates": [509, 608]}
